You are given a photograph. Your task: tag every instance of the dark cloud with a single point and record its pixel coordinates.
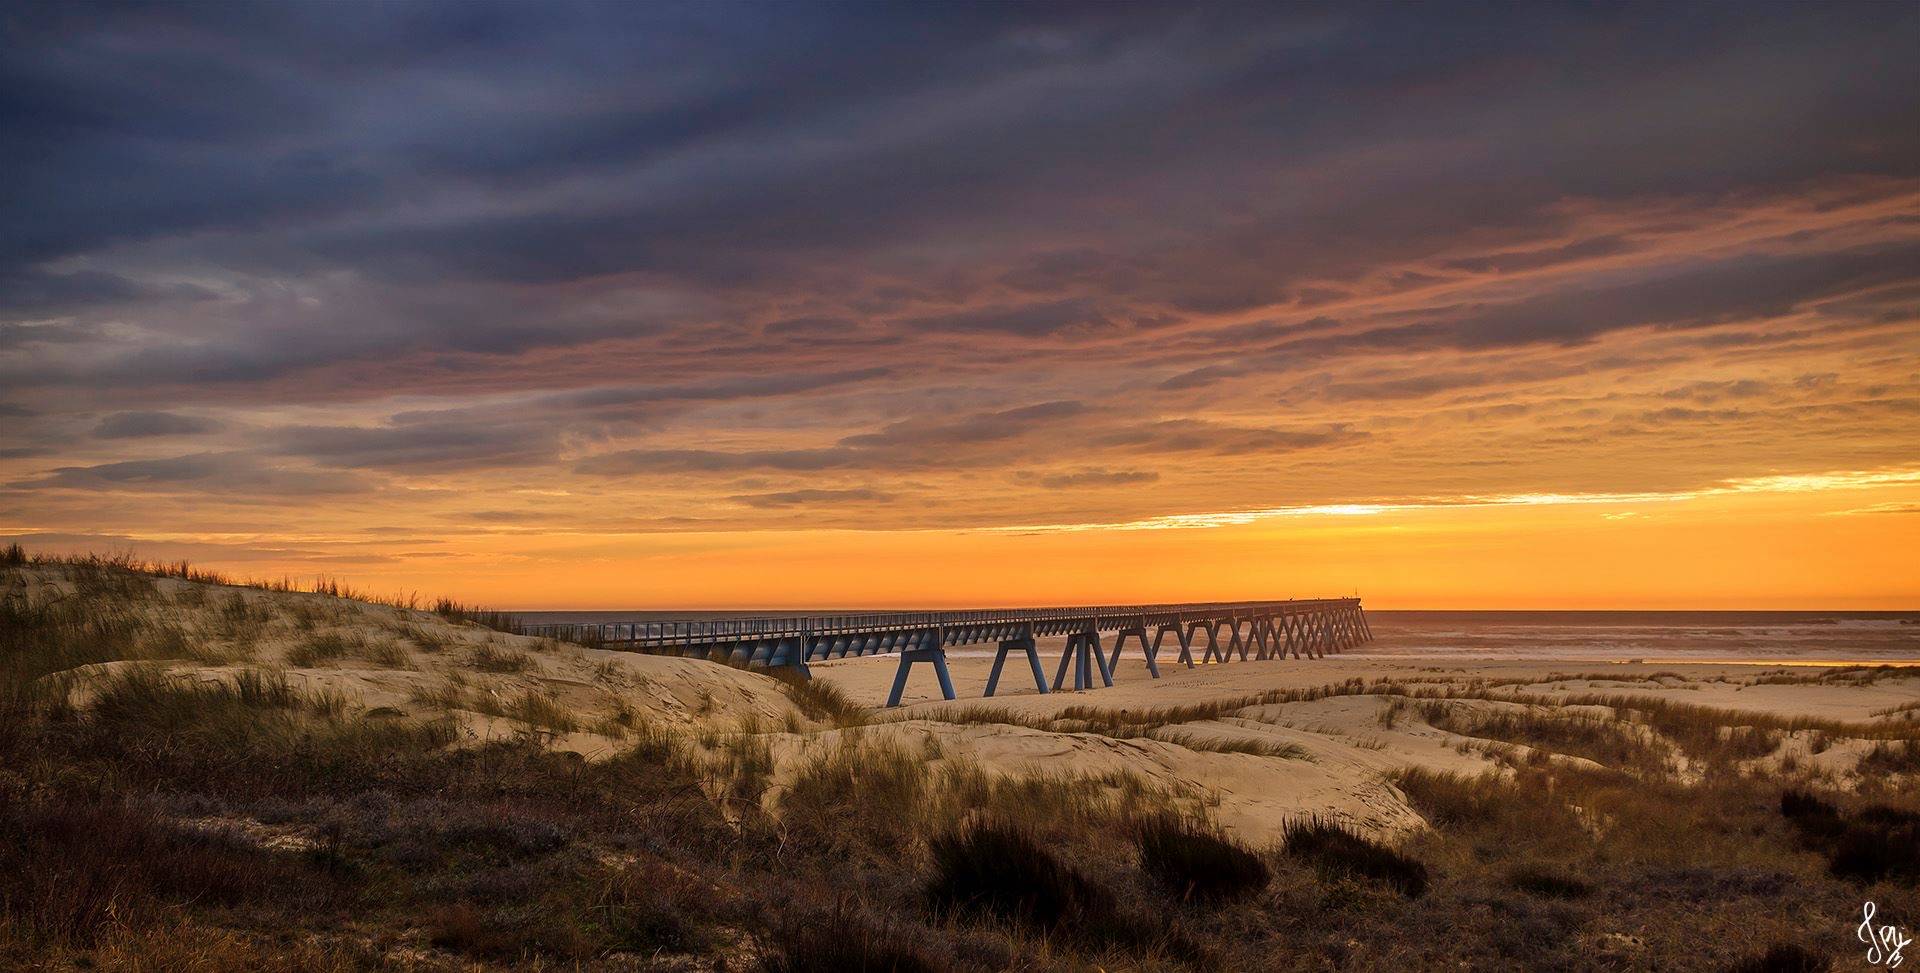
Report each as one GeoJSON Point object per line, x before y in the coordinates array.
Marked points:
{"type": "Point", "coordinates": [1710, 392]}
{"type": "Point", "coordinates": [214, 473]}
{"type": "Point", "coordinates": [1196, 435]}
{"type": "Point", "coordinates": [1740, 291]}
{"type": "Point", "coordinates": [754, 387]}
{"type": "Point", "coordinates": [1081, 316]}
{"type": "Point", "coordinates": [640, 462]}
{"type": "Point", "coordinates": [1517, 260]}
{"type": "Point", "coordinates": [144, 425]}
{"type": "Point", "coordinates": [1122, 149]}
{"type": "Point", "coordinates": [812, 498]}
{"type": "Point", "coordinates": [421, 443]}
{"type": "Point", "coordinates": [985, 427]}
{"type": "Point", "coordinates": [1093, 478]}
{"type": "Point", "coordinates": [498, 516]}
{"type": "Point", "coordinates": [715, 240]}
{"type": "Point", "coordinates": [96, 543]}
{"type": "Point", "coordinates": [909, 444]}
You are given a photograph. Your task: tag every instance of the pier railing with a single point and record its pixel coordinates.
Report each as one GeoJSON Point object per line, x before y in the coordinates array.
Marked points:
{"type": "Point", "coordinates": [1263, 629]}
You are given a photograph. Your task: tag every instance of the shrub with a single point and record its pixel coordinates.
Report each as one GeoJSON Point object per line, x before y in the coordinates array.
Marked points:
{"type": "Point", "coordinates": [1873, 843]}
{"type": "Point", "coordinates": [842, 940]}
{"type": "Point", "coordinates": [1891, 758]}
{"type": "Point", "coordinates": [319, 650]}
{"type": "Point", "coordinates": [1877, 843]}
{"type": "Point", "coordinates": [1196, 863]}
{"type": "Point", "coordinates": [651, 906]}
{"type": "Point", "coordinates": [1783, 958]}
{"type": "Point", "coordinates": [69, 869]}
{"type": "Point", "coordinates": [1334, 849]}
{"type": "Point", "coordinates": [540, 711]}
{"type": "Point", "coordinates": [820, 700]}
{"type": "Point", "coordinates": [486, 658]}
{"type": "Point", "coordinates": [1548, 883]}
{"type": "Point", "coordinates": [1811, 815]}
{"type": "Point", "coordinates": [1002, 871]}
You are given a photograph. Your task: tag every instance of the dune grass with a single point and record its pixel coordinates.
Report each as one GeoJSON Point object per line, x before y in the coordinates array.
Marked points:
{"type": "Point", "coordinates": [1196, 862]}
{"type": "Point", "coordinates": [1338, 849]}
{"type": "Point", "coordinates": [251, 824]}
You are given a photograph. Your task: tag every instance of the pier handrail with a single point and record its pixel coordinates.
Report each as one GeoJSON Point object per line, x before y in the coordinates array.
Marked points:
{"type": "Point", "coordinates": [693, 631]}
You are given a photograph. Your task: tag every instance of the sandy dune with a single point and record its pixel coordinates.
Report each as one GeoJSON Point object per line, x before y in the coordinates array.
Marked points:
{"type": "Point", "coordinates": [1226, 736]}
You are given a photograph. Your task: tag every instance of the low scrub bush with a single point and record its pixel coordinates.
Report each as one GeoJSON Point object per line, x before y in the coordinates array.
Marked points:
{"type": "Point", "coordinates": [1004, 872]}
{"type": "Point", "coordinates": [1784, 958]}
{"type": "Point", "coordinates": [1891, 758]}
{"type": "Point", "coordinates": [71, 868]}
{"type": "Point", "coordinates": [1873, 843]}
{"type": "Point", "coordinates": [1548, 883]}
{"type": "Point", "coordinates": [486, 658]}
{"type": "Point", "coordinates": [1335, 849]}
{"type": "Point", "coordinates": [843, 940]}
{"type": "Point", "coordinates": [820, 700]}
{"type": "Point", "coordinates": [1197, 863]}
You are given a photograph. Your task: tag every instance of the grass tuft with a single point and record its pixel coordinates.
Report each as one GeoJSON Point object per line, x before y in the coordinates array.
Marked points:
{"type": "Point", "coordinates": [1784, 958]}
{"type": "Point", "coordinates": [1197, 863]}
{"type": "Point", "coordinates": [842, 940]}
{"type": "Point", "coordinates": [1335, 849]}
{"type": "Point", "coordinates": [1002, 871]}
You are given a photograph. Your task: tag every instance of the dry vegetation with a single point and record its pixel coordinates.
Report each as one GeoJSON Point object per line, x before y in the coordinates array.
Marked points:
{"type": "Point", "coordinates": [175, 793]}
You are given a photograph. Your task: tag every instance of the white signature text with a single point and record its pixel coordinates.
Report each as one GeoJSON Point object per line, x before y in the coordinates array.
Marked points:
{"type": "Point", "coordinates": [1884, 942]}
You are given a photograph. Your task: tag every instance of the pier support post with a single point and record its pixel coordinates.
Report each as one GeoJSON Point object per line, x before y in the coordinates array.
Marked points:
{"type": "Point", "coordinates": [805, 648]}
{"type": "Point", "coordinates": [1120, 640]}
{"type": "Point", "coordinates": [1032, 650]}
{"type": "Point", "coordinates": [1186, 645]}
{"type": "Point", "coordinates": [1213, 644]}
{"type": "Point", "coordinates": [936, 655]}
{"type": "Point", "coordinates": [1083, 650]}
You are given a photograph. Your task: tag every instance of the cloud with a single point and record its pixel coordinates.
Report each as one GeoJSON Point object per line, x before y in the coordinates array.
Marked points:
{"type": "Point", "coordinates": [420, 444]}
{"type": "Point", "coordinates": [218, 473]}
{"type": "Point", "coordinates": [145, 425]}
{"type": "Point", "coordinates": [635, 462]}
{"type": "Point", "coordinates": [1196, 435]}
{"type": "Point", "coordinates": [1884, 508]}
{"type": "Point", "coordinates": [985, 427]}
{"type": "Point", "coordinates": [1092, 478]}
{"type": "Point", "coordinates": [1737, 291]}
{"type": "Point", "coordinates": [921, 248]}
{"type": "Point", "coordinates": [1083, 316]}
{"type": "Point", "coordinates": [810, 498]}
{"type": "Point", "coordinates": [1518, 260]}
{"type": "Point", "coordinates": [913, 443]}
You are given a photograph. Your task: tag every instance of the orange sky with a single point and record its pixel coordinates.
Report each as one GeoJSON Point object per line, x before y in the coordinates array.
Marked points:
{"type": "Point", "coordinates": [1555, 308]}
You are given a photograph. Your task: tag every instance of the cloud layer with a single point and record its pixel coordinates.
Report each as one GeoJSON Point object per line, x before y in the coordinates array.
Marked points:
{"type": "Point", "coordinates": [651, 269]}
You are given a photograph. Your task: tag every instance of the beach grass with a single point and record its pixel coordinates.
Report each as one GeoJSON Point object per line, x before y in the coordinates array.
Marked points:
{"type": "Point", "coordinates": [168, 812]}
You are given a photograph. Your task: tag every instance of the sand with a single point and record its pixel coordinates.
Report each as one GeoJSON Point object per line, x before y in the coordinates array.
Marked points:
{"type": "Point", "coordinates": [1329, 756]}
{"type": "Point", "coordinates": [1349, 751]}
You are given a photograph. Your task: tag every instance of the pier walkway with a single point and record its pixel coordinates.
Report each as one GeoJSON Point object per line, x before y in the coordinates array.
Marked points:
{"type": "Point", "coordinates": [1243, 630]}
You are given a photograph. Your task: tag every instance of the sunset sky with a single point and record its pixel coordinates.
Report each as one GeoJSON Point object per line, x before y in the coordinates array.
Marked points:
{"type": "Point", "coordinates": [784, 305]}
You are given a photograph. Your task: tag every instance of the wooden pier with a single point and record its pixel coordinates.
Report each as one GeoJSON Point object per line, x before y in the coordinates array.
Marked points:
{"type": "Point", "coordinates": [1234, 631]}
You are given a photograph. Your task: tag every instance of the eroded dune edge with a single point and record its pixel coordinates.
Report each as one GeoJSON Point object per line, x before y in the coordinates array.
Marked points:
{"type": "Point", "coordinates": [208, 776]}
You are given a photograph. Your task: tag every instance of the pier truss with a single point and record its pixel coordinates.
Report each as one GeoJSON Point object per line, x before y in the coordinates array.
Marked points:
{"type": "Point", "coordinates": [1230, 631]}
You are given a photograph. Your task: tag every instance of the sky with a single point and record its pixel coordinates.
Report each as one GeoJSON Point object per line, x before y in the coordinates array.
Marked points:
{"type": "Point", "coordinates": [784, 305]}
